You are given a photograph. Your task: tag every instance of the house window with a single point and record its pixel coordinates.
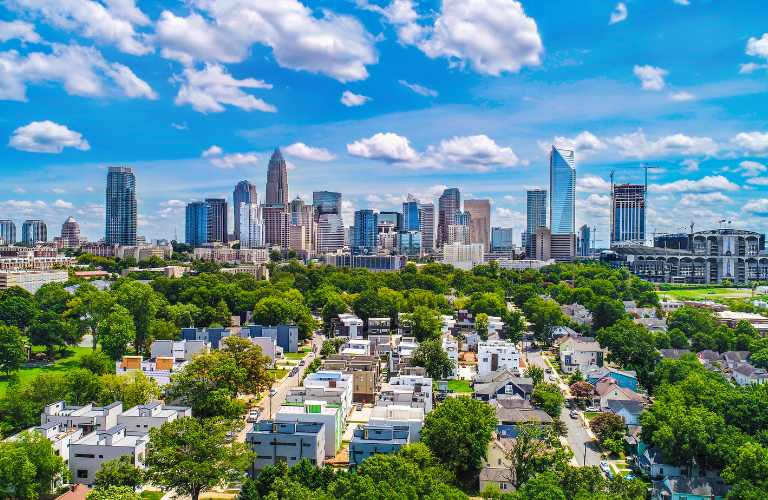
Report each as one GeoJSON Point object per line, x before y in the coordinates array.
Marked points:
{"type": "Point", "coordinates": [82, 473]}
{"type": "Point", "coordinates": [499, 461]}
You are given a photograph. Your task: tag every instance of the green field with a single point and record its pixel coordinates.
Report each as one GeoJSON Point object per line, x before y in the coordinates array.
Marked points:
{"type": "Point", "coordinates": [151, 495]}
{"type": "Point", "coordinates": [295, 356]}
{"type": "Point", "coordinates": [459, 386]}
{"type": "Point", "coordinates": [705, 293]}
{"type": "Point", "coordinates": [589, 415]}
{"type": "Point", "coordinates": [69, 361]}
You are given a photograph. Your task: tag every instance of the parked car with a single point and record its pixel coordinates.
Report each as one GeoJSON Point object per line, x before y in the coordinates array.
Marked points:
{"type": "Point", "coordinates": [574, 414]}
{"type": "Point", "coordinates": [593, 408]}
{"type": "Point", "coordinates": [301, 363]}
{"type": "Point", "coordinates": [548, 370]}
{"type": "Point", "coordinates": [253, 415]}
{"type": "Point", "coordinates": [293, 372]}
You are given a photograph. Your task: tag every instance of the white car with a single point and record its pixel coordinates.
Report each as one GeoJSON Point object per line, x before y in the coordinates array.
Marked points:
{"type": "Point", "coordinates": [253, 416]}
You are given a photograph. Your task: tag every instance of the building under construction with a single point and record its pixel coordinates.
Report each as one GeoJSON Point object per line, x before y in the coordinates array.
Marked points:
{"type": "Point", "coordinates": [627, 214]}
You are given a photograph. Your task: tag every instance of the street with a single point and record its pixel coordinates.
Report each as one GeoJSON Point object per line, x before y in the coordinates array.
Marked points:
{"type": "Point", "coordinates": [578, 436]}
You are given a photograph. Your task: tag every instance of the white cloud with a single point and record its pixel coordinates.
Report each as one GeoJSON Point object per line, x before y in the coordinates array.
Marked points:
{"type": "Point", "coordinates": [63, 204]}
{"type": "Point", "coordinates": [690, 165]}
{"type": "Point", "coordinates": [651, 77]}
{"type": "Point", "coordinates": [112, 24]}
{"type": "Point", "coordinates": [81, 70]}
{"type": "Point", "coordinates": [703, 185]}
{"type": "Point", "coordinates": [419, 89]}
{"type": "Point", "coordinates": [681, 96]}
{"type": "Point", "coordinates": [212, 151]}
{"type": "Point", "coordinates": [594, 206]}
{"type": "Point", "coordinates": [304, 152]}
{"type": "Point", "coordinates": [490, 36]}
{"type": "Point", "coordinates": [210, 89]}
{"type": "Point", "coordinates": [758, 46]}
{"type": "Point", "coordinates": [750, 168]}
{"type": "Point", "coordinates": [636, 145]}
{"type": "Point", "coordinates": [475, 151]}
{"type": "Point", "coordinates": [592, 184]}
{"type": "Point", "coordinates": [19, 190]}
{"type": "Point", "coordinates": [180, 126]}
{"type": "Point", "coordinates": [350, 99]}
{"type": "Point", "coordinates": [585, 142]}
{"type": "Point", "coordinates": [752, 142]}
{"type": "Point", "coordinates": [11, 30]}
{"type": "Point", "coordinates": [757, 207]}
{"type": "Point", "coordinates": [695, 199]}
{"type": "Point", "coordinates": [47, 137]}
{"type": "Point", "coordinates": [682, 2]}
{"type": "Point", "coordinates": [331, 44]}
{"type": "Point", "coordinates": [749, 68]}
{"type": "Point", "coordinates": [385, 146]}
{"type": "Point", "coordinates": [619, 13]}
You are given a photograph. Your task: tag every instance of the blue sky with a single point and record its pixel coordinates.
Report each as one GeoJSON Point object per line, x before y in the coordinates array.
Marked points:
{"type": "Point", "coordinates": [380, 98]}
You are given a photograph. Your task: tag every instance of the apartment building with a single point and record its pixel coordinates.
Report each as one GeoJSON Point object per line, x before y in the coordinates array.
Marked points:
{"type": "Point", "coordinates": [288, 442]}
{"type": "Point", "coordinates": [88, 454]}
{"type": "Point", "coordinates": [407, 390]}
{"type": "Point", "coordinates": [368, 440]}
{"type": "Point", "coordinates": [399, 416]}
{"type": "Point", "coordinates": [318, 412]}
{"type": "Point", "coordinates": [88, 418]}
{"type": "Point", "coordinates": [141, 418]}
{"type": "Point", "coordinates": [365, 372]}
{"type": "Point", "coordinates": [495, 355]}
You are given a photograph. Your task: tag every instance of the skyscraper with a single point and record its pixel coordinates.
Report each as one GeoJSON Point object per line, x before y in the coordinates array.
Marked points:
{"type": "Point", "coordinates": [410, 214]}
{"type": "Point", "coordinates": [628, 214]}
{"type": "Point", "coordinates": [585, 237]}
{"type": "Point", "coordinates": [70, 233]}
{"type": "Point", "coordinates": [427, 227]}
{"type": "Point", "coordinates": [277, 180]}
{"type": "Point", "coordinates": [33, 231]}
{"type": "Point", "coordinates": [196, 224]}
{"type": "Point", "coordinates": [330, 233]}
{"type": "Point", "coordinates": [244, 192]}
{"type": "Point", "coordinates": [501, 239]}
{"type": "Point", "coordinates": [218, 228]}
{"type": "Point", "coordinates": [302, 231]}
{"type": "Point", "coordinates": [365, 232]}
{"type": "Point", "coordinates": [459, 229]}
{"type": "Point", "coordinates": [394, 218]}
{"type": "Point", "coordinates": [277, 222]}
{"type": "Point", "coordinates": [536, 216]}
{"type": "Point", "coordinates": [448, 204]}
{"type": "Point", "coordinates": [562, 203]}
{"type": "Point", "coordinates": [251, 226]}
{"type": "Point", "coordinates": [121, 207]}
{"type": "Point", "coordinates": [326, 202]}
{"type": "Point", "coordinates": [480, 221]}
{"type": "Point", "coordinates": [7, 232]}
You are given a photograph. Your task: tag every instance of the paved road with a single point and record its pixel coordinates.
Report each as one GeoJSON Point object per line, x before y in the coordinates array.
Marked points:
{"type": "Point", "coordinates": [577, 433]}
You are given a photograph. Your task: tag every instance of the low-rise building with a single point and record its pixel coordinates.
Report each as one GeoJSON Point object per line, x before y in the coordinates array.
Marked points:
{"type": "Point", "coordinates": [289, 442]}
{"type": "Point", "coordinates": [349, 325]}
{"type": "Point", "coordinates": [407, 390]}
{"type": "Point", "coordinates": [88, 417]}
{"type": "Point", "coordinates": [402, 353]}
{"type": "Point", "coordinates": [398, 416]}
{"type": "Point", "coordinates": [607, 389]}
{"type": "Point", "coordinates": [577, 313]}
{"type": "Point", "coordinates": [451, 348]}
{"type": "Point", "coordinates": [357, 347]}
{"type": "Point", "coordinates": [368, 440]}
{"type": "Point", "coordinates": [624, 378]}
{"type": "Point", "coordinates": [179, 350]}
{"type": "Point", "coordinates": [494, 355]}
{"type": "Point", "coordinates": [333, 387]}
{"type": "Point", "coordinates": [378, 326]}
{"type": "Point", "coordinates": [732, 318]}
{"type": "Point", "coordinates": [88, 454]}
{"type": "Point", "coordinates": [688, 488]}
{"type": "Point", "coordinates": [141, 418]}
{"type": "Point", "coordinates": [511, 385]}
{"type": "Point", "coordinates": [497, 469]}
{"type": "Point", "coordinates": [580, 354]}
{"type": "Point", "coordinates": [628, 409]}
{"type": "Point", "coordinates": [318, 412]}
{"type": "Point", "coordinates": [365, 371]}
{"type": "Point", "coordinates": [747, 374]}
{"type": "Point", "coordinates": [159, 369]}
{"type": "Point", "coordinates": [513, 412]}
{"type": "Point", "coordinates": [30, 280]}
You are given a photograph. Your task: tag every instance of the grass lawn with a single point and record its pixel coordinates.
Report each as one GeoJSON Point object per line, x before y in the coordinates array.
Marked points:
{"type": "Point", "coordinates": [706, 293]}
{"type": "Point", "coordinates": [460, 386]}
{"type": "Point", "coordinates": [70, 360]}
{"type": "Point", "coordinates": [151, 495]}
{"type": "Point", "coordinates": [278, 373]}
{"type": "Point", "coordinates": [589, 415]}
{"type": "Point", "coordinates": [295, 356]}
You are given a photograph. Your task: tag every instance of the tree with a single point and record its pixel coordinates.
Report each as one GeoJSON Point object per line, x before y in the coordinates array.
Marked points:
{"type": "Point", "coordinates": [142, 302]}
{"type": "Point", "coordinates": [89, 307]}
{"type": "Point", "coordinates": [607, 426]}
{"type": "Point", "coordinates": [163, 330]}
{"type": "Point", "coordinates": [692, 320]}
{"type": "Point", "coordinates": [750, 464]}
{"type": "Point", "coordinates": [18, 310]}
{"type": "Point", "coordinates": [581, 389]}
{"type": "Point", "coordinates": [425, 323]}
{"type": "Point", "coordinates": [116, 332]}
{"type": "Point", "coordinates": [605, 312]}
{"type": "Point", "coordinates": [31, 465]}
{"type": "Point", "coordinates": [113, 493]}
{"type": "Point", "coordinates": [13, 349]}
{"type": "Point", "coordinates": [544, 486]}
{"type": "Point", "coordinates": [17, 472]}
{"type": "Point", "coordinates": [543, 315]}
{"type": "Point", "coordinates": [53, 297]}
{"type": "Point", "coordinates": [332, 346]}
{"type": "Point", "coordinates": [458, 432]}
{"type": "Point", "coordinates": [132, 388]}
{"type": "Point", "coordinates": [481, 325]}
{"type": "Point", "coordinates": [50, 330]}
{"type": "Point", "coordinates": [119, 472]}
{"type": "Point", "coordinates": [632, 346]}
{"type": "Point", "coordinates": [189, 455]}
{"type": "Point", "coordinates": [490, 304]}
{"type": "Point", "coordinates": [286, 308]}
{"type": "Point", "coordinates": [535, 449]}
{"type": "Point", "coordinates": [514, 324]}
{"type": "Point", "coordinates": [83, 386]}
{"type": "Point", "coordinates": [250, 357]}
{"type": "Point", "coordinates": [97, 362]}
{"type": "Point", "coordinates": [549, 398]}
{"type": "Point", "coordinates": [431, 355]}
{"type": "Point", "coordinates": [535, 373]}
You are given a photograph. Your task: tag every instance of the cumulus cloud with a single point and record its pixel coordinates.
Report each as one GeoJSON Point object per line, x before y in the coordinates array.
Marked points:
{"type": "Point", "coordinates": [750, 168]}
{"type": "Point", "coordinates": [758, 46]}
{"type": "Point", "coordinates": [705, 184]}
{"type": "Point", "coordinates": [112, 23]}
{"type": "Point", "coordinates": [651, 77]}
{"type": "Point", "coordinates": [419, 89]}
{"type": "Point", "coordinates": [752, 142]}
{"type": "Point", "coordinates": [208, 91]}
{"type": "Point", "coordinates": [47, 137]}
{"type": "Point", "coordinates": [331, 44]}
{"type": "Point", "coordinates": [636, 145]}
{"type": "Point", "coordinates": [619, 13]}
{"type": "Point", "coordinates": [304, 152]}
{"type": "Point", "coordinates": [350, 99]}
{"type": "Point", "coordinates": [490, 36]}
{"type": "Point", "coordinates": [219, 159]}
{"type": "Point", "coordinates": [18, 30]}
{"type": "Point", "coordinates": [584, 143]}
{"type": "Point", "coordinates": [592, 184]}
{"type": "Point", "coordinates": [81, 70]}
{"type": "Point", "coordinates": [681, 96]}
{"type": "Point", "coordinates": [758, 181]}
{"type": "Point", "coordinates": [594, 206]}
{"type": "Point", "coordinates": [757, 207]}
{"type": "Point", "coordinates": [690, 165]}
{"type": "Point", "coordinates": [63, 204]}
{"type": "Point", "coordinates": [696, 199]}
{"type": "Point", "coordinates": [384, 146]}
{"type": "Point", "coordinates": [212, 151]}
{"type": "Point", "coordinates": [749, 68]}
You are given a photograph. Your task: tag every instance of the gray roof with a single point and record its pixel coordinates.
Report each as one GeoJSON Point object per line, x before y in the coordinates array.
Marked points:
{"type": "Point", "coordinates": [523, 384]}
{"type": "Point", "coordinates": [695, 486]}
{"type": "Point", "coordinates": [494, 474]}
{"type": "Point", "coordinates": [673, 353]}
{"type": "Point", "coordinates": [495, 376]}
{"type": "Point", "coordinates": [751, 371]}
{"type": "Point", "coordinates": [520, 415]}
{"type": "Point", "coordinates": [632, 406]}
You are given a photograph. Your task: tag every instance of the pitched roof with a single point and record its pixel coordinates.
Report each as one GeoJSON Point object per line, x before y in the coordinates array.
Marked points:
{"type": "Point", "coordinates": [632, 406]}
{"type": "Point", "coordinates": [673, 353]}
{"type": "Point", "coordinates": [750, 371]}
{"type": "Point", "coordinates": [495, 474]}
{"type": "Point", "coordinates": [522, 415]}
{"type": "Point", "coordinates": [606, 384]}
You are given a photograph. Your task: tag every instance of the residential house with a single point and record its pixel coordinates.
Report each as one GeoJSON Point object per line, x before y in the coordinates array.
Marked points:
{"type": "Point", "coordinates": [650, 462]}
{"type": "Point", "coordinates": [398, 416]}
{"type": "Point", "coordinates": [179, 350]}
{"type": "Point", "coordinates": [521, 387]}
{"type": "Point", "coordinates": [577, 313]}
{"type": "Point", "coordinates": [608, 389]}
{"type": "Point", "coordinates": [333, 387]}
{"type": "Point", "coordinates": [497, 468]}
{"type": "Point", "coordinates": [358, 347]}
{"type": "Point", "coordinates": [378, 326]}
{"type": "Point", "coordinates": [628, 409]}
{"type": "Point", "coordinates": [451, 348]}
{"type": "Point", "coordinates": [288, 442]}
{"type": "Point", "coordinates": [494, 355]}
{"type": "Point", "coordinates": [407, 390]}
{"type": "Point", "coordinates": [141, 418]}
{"type": "Point", "coordinates": [625, 378]}
{"type": "Point", "coordinates": [381, 345]}
{"type": "Point", "coordinates": [563, 332]}
{"type": "Point", "coordinates": [349, 325]}
{"type": "Point", "coordinates": [88, 454]}
{"type": "Point", "coordinates": [653, 324]}
{"type": "Point", "coordinates": [88, 418]}
{"type": "Point", "coordinates": [673, 353]}
{"type": "Point", "coordinates": [402, 353]}
{"type": "Point", "coordinates": [511, 413]}
{"type": "Point", "coordinates": [368, 440]}
{"type": "Point", "coordinates": [158, 369]}
{"type": "Point", "coordinates": [631, 308]}
{"type": "Point", "coordinates": [365, 374]}
{"type": "Point", "coordinates": [580, 354]}
{"type": "Point", "coordinates": [686, 488]}
{"type": "Point", "coordinates": [734, 358]}
{"type": "Point", "coordinates": [747, 374]}
{"type": "Point", "coordinates": [318, 412]}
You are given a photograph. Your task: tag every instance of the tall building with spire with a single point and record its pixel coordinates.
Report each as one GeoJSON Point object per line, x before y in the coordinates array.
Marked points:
{"type": "Point", "coordinates": [121, 207]}
{"type": "Point", "coordinates": [244, 193]}
{"type": "Point", "coordinates": [277, 180]}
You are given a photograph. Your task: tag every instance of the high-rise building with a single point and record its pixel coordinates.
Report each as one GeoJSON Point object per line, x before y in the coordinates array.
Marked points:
{"type": "Point", "coordinates": [427, 227]}
{"type": "Point", "coordinates": [277, 180]}
{"type": "Point", "coordinates": [365, 233]}
{"type": "Point", "coordinates": [330, 233]}
{"type": "Point", "coordinates": [460, 230]}
{"type": "Point", "coordinates": [628, 214]}
{"type": "Point", "coordinates": [277, 222]}
{"type": "Point", "coordinates": [7, 232]}
{"type": "Point", "coordinates": [70, 233]}
{"type": "Point", "coordinates": [218, 228]}
{"type": "Point", "coordinates": [542, 243]}
{"type": "Point", "coordinates": [447, 206]}
{"type": "Point", "coordinates": [585, 237]}
{"type": "Point", "coordinates": [409, 243]}
{"type": "Point", "coordinates": [33, 231]}
{"type": "Point", "coordinates": [393, 218]}
{"type": "Point", "coordinates": [251, 226]}
{"type": "Point", "coordinates": [480, 221]}
{"type": "Point", "coordinates": [244, 192]}
{"type": "Point", "coordinates": [410, 214]}
{"type": "Point", "coordinates": [302, 229]}
{"type": "Point", "coordinates": [326, 202]}
{"type": "Point", "coordinates": [196, 224]}
{"type": "Point", "coordinates": [502, 239]}
{"type": "Point", "coordinates": [386, 234]}
{"type": "Point", "coordinates": [121, 207]}
{"type": "Point", "coordinates": [536, 215]}
{"type": "Point", "coordinates": [562, 203]}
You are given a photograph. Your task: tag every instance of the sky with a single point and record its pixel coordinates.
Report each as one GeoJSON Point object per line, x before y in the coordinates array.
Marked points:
{"type": "Point", "coordinates": [382, 98]}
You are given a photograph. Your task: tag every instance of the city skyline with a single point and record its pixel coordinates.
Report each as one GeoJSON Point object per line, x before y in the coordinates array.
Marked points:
{"type": "Point", "coordinates": [376, 124]}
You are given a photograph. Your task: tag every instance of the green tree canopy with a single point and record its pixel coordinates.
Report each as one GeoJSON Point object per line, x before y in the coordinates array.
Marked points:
{"type": "Point", "coordinates": [431, 355]}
